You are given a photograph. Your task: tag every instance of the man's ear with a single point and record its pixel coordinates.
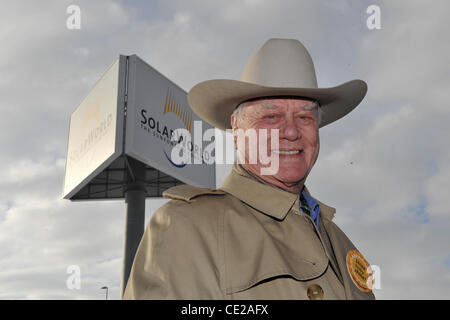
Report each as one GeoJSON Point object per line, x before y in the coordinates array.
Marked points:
{"type": "Point", "coordinates": [233, 121]}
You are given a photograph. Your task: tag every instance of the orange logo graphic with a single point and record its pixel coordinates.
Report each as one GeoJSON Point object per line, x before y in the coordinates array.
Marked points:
{"type": "Point", "coordinates": [359, 270]}
{"type": "Point", "coordinates": [171, 105]}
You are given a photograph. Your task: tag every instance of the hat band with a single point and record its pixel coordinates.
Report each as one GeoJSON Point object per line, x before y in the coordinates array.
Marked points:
{"type": "Point", "coordinates": [278, 97]}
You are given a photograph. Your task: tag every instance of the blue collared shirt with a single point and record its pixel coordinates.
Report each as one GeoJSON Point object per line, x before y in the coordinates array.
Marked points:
{"type": "Point", "coordinates": [313, 206]}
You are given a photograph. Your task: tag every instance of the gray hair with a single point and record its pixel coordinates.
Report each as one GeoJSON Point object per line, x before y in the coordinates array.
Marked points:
{"type": "Point", "coordinates": [238, 111]}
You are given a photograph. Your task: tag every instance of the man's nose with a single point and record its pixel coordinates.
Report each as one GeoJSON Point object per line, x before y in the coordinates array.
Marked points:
{"type": "Point", "coordinates": [289, 130]}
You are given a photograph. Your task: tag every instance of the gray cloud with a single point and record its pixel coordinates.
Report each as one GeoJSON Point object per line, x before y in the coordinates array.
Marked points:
{"type": "Point", "coordinates": [392, 171]}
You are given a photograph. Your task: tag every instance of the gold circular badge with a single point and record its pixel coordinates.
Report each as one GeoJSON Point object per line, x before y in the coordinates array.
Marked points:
{"type": "Point", "coordinates": [360, 271]}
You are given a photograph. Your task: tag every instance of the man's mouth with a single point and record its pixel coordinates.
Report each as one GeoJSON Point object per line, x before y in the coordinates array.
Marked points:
{"type": "Point", "coordinates": [287, 152]}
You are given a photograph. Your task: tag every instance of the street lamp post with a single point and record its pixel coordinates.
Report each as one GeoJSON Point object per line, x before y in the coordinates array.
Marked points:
{"type": "Point", "coordinates": [106, 292]}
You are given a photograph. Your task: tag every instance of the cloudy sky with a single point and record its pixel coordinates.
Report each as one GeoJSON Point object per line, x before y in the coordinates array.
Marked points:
{"type": "Point", "coordinates": [384, 166]}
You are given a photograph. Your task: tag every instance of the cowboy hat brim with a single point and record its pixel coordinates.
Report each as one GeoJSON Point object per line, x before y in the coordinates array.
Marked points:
{"type": "Point", "coordinates": [215, 100]}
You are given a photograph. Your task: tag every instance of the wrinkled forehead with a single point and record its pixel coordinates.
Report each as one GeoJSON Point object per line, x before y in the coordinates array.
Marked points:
{"type": "Point", "coordinates": [282, 103]}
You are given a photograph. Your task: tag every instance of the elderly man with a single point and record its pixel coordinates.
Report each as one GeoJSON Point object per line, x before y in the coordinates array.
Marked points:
{"type": "Point", "coordinates": [259, 236]}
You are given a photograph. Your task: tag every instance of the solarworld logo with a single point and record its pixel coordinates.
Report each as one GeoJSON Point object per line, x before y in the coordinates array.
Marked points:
{"type": "Point", "coordinates": [94, 126]}
{"type": "Point", "coordinates": [169, 135]}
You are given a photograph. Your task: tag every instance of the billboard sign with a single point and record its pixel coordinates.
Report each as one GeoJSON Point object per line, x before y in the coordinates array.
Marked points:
{"type": "Point", "coordinates": [156, 109]}
{"type": "Point", "coordinates": [96, 130]}
{"type": "Point", "coordinates": [132, 111]}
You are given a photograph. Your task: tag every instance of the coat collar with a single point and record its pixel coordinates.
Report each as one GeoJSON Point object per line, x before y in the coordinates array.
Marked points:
{"type": "Point", "coordinates": [263, 196]}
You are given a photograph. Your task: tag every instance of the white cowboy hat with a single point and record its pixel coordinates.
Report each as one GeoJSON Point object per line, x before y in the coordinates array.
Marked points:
{"type": "Point", "coordinates": [281, 67]}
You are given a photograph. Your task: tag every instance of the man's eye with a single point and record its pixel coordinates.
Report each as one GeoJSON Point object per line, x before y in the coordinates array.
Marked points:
{"type": "Point", "coordinates": [271, 116]}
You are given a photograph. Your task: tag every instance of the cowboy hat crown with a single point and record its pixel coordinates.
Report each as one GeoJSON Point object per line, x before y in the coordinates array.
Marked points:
{"type": "Point", "coordinates": [281, 63]}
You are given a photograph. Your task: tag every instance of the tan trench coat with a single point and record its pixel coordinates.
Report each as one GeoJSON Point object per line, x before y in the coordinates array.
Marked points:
{"type": "Point", "coordinates": [246, 240]}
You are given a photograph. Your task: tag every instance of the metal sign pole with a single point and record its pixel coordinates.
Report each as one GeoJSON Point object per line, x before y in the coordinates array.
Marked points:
{"type": "Point", "coordinates": [134, 216]}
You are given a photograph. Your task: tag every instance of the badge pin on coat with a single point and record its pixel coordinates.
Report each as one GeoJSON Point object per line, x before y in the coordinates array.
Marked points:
{"type": "Point", "coordinates": [360, 271]}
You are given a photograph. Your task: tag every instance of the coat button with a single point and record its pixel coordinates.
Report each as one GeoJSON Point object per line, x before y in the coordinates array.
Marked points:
{"type": "Point", "coordinates": [315, 292]}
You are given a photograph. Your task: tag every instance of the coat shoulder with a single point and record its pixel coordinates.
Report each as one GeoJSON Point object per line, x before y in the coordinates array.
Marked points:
{"type": "Point", "coordinates": [198, 205]}
{"type": "Point", "coordinates": [178, 254]}
{"type": "Point", "coordinates": [187, 192]}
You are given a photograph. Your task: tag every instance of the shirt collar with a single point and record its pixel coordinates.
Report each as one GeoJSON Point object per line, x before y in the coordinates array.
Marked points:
{"type": "Point", "coordinates": [263, 196]}
{"type": "Point", "coordinates": [326, 211]}
{"type": "Point", "coordinates": [312, 205]}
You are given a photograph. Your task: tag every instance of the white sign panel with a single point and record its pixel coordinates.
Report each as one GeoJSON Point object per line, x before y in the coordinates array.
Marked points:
{"type": "Point", "coordinates": [156, 108]}
{"type": "Point", "coordinates": [96, 130]}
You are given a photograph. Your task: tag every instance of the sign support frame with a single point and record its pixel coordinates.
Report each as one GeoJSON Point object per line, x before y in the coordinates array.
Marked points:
{"type": "Point", "coordinates": [135, 195]}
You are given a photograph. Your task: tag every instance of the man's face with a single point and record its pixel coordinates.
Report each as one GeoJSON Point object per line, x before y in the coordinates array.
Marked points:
{"type": "Point", "coordinates": [298, 138]}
